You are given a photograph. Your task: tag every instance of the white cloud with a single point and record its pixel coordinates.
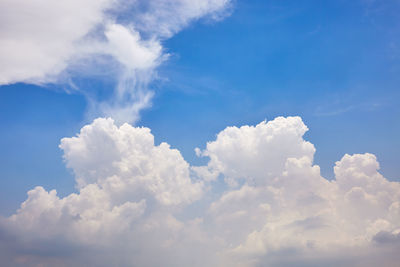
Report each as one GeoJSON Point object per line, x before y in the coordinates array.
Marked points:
{"type": "Point", "coordinates": [39, 37]}
{"type": "Point", "coordinates": [135, 199]}
{"type": "Point", "coordinates": [258, 153]}
{"type": "Point", "coordinates": [128, 163]}
{"type": "Point", "coordinates": [129, 191]}
{"type": "Point", "coordinates": [45, 41]}
{"type": "Point", "coordinates": [128, 48]}
{"type": "Point", "coordinates": [166, 17]}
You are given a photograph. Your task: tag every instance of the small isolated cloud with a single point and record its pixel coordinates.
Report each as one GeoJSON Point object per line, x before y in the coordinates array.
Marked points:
{"type": "Point", "coordinates": [45, 41]}
{"type": "Point", "coordinates": [135, 201]}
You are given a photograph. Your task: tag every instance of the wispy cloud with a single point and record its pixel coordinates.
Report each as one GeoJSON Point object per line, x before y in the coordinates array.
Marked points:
{"type": "Point", "coordinates": [46, 42]}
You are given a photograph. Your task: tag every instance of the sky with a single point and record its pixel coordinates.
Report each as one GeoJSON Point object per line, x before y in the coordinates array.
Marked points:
{"type": "Point", "coordinates": [202, 133]}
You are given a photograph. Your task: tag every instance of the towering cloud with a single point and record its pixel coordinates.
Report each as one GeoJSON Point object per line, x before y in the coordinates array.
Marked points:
{"type": "Point", "coordinates": [135, 201]}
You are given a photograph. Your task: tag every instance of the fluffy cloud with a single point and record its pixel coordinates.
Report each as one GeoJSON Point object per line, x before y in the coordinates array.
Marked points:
{"type": "Point", "coordinates": [128, 163]}
{"type": "Point", "coordinates": [46, 41]}
{"type": "Point", "coordinates": [39, 37]}
{"type": "Point", "coordinates": [129, 191]}
{"type": "Point", "coordinates": [135, 201]}
{"type": "Point", "coordinates": [258, 154]}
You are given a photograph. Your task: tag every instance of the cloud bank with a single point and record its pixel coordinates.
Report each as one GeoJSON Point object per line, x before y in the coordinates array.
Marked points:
{"type": "Point", "coordinates": [51, 42]}
{"type": "Point", "coordinates": [142, 204]}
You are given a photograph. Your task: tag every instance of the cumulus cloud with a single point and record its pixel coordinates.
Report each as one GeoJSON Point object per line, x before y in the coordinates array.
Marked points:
{"type": "Point", "coordinates": [135, 202]}
{"type": "Point", "coordinates": [128, 163]}
{"type": "Point", "coordinates": [236, 148]}
{"type": "Point", "coordinates": [45, 41]}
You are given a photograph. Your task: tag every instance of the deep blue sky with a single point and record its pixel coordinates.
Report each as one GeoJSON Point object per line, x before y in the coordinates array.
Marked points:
{"type": "Point", "coordinates": [334, 63]}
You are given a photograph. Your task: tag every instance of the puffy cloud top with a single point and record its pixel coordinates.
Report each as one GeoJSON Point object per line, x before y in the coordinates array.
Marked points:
{"type": "Point", "coordinates": [136, 204]}
{"type": "Point", "coordinates": [258, 153]}
{"type": "Point", "coordinates": [128, 162]}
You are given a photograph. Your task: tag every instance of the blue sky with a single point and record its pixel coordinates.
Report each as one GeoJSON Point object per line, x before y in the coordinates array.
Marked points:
{"type": "Point", "coordinates": [335, 64]}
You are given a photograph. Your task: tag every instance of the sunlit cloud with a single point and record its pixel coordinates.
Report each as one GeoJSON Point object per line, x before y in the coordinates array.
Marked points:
{"type": "Point", "coordinates": [47, 42]}
{"type": "Point", "coordinates": [134, 199]}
